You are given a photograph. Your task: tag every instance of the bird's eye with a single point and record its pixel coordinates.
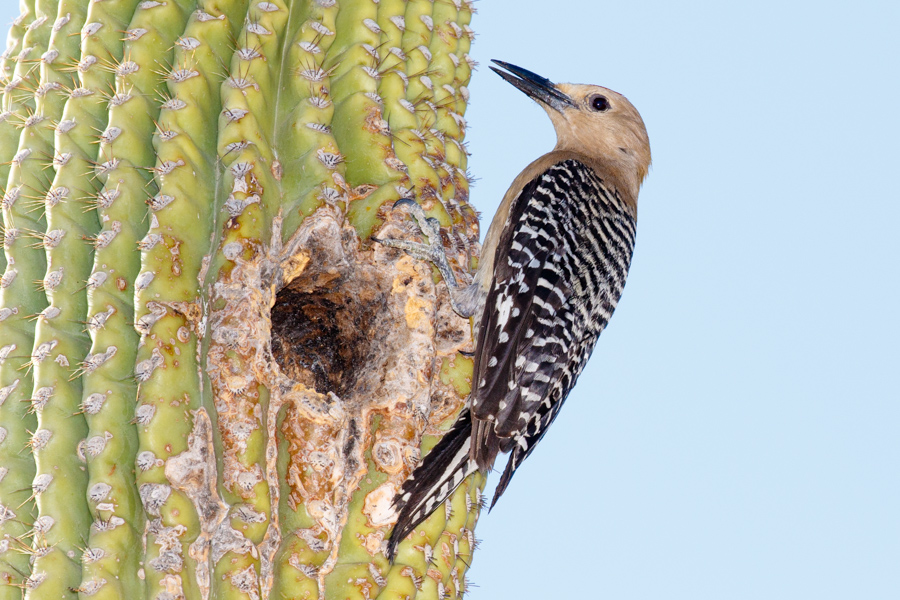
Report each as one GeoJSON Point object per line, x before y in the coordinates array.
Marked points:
{"type": "Point", "coordinates": [599, 103]}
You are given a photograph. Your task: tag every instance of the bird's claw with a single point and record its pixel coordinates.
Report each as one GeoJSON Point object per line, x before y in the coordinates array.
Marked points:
{"type": "Point", "coordinates": [432, 250]}
{"type": "Point", "coordinates": [429, 226]}
{"type": "Point", "coordinates": [419, 251]}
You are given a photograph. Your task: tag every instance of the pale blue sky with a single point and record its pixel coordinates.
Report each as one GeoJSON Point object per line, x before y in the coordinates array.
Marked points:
{"type": "Point", "coordinates": [737, 432]}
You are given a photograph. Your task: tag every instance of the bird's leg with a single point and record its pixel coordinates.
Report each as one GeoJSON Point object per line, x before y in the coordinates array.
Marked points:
{"type": "Point", "coordinates": [462, 297]}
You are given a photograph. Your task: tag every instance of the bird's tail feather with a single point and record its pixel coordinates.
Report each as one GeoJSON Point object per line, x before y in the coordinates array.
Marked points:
{"type": "Point", "coordinates": [515, 459]}
{"type": "Point", "coordinates": [443, 469]}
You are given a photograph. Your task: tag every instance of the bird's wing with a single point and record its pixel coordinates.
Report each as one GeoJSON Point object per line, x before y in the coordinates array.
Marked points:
{"type": "Point", "coordinates": [522, 339]}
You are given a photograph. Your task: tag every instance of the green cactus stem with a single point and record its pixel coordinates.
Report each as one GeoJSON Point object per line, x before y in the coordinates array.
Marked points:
{"type": "Point", "coordinates": [212, 383]}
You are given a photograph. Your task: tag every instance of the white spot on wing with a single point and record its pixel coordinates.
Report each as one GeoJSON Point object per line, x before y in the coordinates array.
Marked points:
{"type": "Point", "coordinates": [504, 305]}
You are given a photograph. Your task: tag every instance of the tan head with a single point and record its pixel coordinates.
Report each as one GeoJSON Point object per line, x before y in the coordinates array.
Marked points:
{"type": "Point", "coordinates": [592, 121]}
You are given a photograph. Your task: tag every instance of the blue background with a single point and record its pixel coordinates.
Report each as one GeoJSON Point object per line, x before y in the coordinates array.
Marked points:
{"type": "Point", "coordinates": [736, 433]}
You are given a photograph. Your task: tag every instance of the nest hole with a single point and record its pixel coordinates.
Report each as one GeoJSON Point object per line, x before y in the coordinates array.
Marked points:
{"type": "Point", "coordinates": [324, 337]}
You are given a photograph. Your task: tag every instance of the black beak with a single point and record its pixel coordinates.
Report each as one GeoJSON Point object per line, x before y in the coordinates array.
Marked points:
{"type": "Point", "coordinates": [536, 87]}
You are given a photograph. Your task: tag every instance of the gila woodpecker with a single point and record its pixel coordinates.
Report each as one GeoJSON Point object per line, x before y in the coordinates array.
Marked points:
{"type": "Point", "coordinates": [552, 269]}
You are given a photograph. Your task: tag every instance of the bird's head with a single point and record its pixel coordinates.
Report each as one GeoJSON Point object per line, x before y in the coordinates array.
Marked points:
{"type": "Point", "coordinates": [590, 120]}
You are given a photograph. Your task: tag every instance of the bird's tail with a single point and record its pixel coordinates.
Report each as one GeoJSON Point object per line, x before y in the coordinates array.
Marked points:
{"type": "Point", "coordinates": [445, 467]}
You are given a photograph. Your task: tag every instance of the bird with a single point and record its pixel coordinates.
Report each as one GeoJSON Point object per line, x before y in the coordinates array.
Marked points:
{"type": "Point", "coordinates": [552, 269]}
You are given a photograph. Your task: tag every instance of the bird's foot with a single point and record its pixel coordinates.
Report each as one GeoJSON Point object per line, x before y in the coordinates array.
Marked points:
{"type": "Point", "coordinates": [432, 250]}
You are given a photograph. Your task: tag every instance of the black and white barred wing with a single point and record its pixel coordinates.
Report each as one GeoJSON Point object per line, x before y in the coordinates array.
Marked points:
{"type": "Point", "coordinates": [521, 342]}
{"type": "Point", "coordinates": [569, 251]}
{"type": "Point", "coordinates": [530, 290]}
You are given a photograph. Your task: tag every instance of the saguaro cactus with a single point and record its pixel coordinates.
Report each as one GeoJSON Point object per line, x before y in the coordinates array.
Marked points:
{"type": "Point", "coordinates": [211, 381]}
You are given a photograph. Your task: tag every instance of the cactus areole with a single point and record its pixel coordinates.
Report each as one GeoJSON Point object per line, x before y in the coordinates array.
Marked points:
{"type": "Point", "coordinates": [211, 382]}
